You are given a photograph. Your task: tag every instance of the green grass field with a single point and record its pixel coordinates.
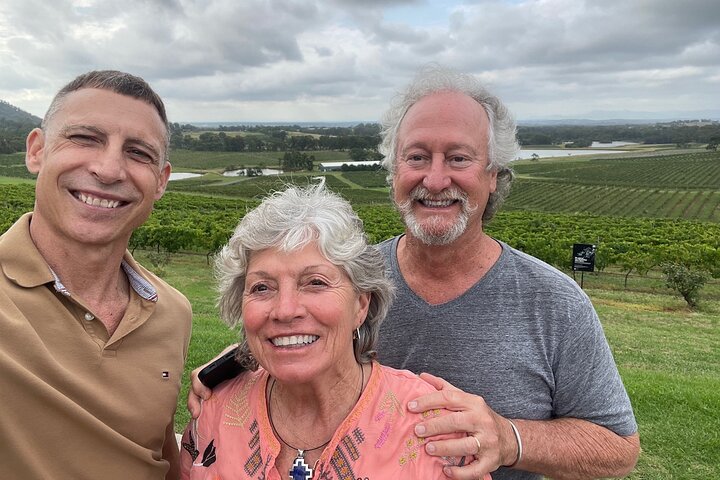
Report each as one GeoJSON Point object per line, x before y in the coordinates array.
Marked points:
{"type": "Point", "coordinates": [668, 358]}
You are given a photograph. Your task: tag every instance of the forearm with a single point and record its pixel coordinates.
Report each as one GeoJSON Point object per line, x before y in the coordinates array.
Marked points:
{"type": "Point", "coordinates": [569, 448]}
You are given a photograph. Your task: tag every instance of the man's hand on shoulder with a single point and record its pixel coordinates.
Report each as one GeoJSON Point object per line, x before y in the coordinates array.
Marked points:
{"type": "Point", "coordinates": [489, 437]}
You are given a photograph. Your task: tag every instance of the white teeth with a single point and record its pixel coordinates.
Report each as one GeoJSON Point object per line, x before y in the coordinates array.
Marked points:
{"type": "Point", "coordinates": [97, 202]}
{"type": "Point", "coordinates": [437, 203]}
{"type": "Point", "coordinates": [294, 340]}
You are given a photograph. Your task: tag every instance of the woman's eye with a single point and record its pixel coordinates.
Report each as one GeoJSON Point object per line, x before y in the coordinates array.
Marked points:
{"type": "Point", "coordinates": [259, 288]}
{"type": "Point", "coordinates": [317, 282]}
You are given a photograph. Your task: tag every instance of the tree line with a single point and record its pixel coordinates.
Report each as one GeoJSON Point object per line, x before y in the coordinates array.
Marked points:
{"type": "Point", "coordinates": [363, 139]}
{"type": "Point", "coordinates": [675, 133]}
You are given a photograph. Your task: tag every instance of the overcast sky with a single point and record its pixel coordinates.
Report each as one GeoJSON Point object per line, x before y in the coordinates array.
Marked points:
{"type": "Point", "coordinates": [342, 60]}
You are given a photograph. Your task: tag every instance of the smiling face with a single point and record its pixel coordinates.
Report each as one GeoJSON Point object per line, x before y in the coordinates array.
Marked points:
{"type": "Point", "coordinates": [441, 183]}
{"type": "Point", "coordinates": [299, 313]}
{"type": "Point", "coordinates": [100, 168]}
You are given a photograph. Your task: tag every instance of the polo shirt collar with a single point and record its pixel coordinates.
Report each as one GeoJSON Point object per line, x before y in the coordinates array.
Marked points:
{"type": "Point", "coordinates": [21, 262]}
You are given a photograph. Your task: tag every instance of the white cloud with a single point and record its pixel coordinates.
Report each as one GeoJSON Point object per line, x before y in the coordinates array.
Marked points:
{"type": "Point", "coordinates": [330, 60]}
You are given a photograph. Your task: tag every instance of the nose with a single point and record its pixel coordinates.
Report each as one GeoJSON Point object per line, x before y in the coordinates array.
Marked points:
{"type": "Point", "coordinates": [436, 177]}
{"type": "Point", "coordinates": [109, 165]}
{"type": "Point", "coordinates": [288, 304]}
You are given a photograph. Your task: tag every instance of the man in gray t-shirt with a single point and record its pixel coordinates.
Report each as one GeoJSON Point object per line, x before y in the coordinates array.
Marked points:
{"type": "Point", "coordinates": [523, 359]}
{"type": "Point", "coordinates": [525, 366]}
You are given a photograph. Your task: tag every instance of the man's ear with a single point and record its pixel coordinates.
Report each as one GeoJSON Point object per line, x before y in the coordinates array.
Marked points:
{"type": "Point", "coordinates": [163, 180]}
{"type": "Point", "coordinates": [34, 146]}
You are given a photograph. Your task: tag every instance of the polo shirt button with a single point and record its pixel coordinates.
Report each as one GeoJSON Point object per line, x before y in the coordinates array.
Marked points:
{"type": "Point", "coordinates": [89, 317]}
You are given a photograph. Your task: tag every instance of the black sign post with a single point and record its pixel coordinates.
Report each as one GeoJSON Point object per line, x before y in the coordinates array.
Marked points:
{"type": "Point", "coordinates": [583, 259]}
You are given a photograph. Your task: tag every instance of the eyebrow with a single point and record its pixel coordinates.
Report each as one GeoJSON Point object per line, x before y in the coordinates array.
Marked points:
{"type": "Point", "coordinates": [305, 271]}
{"type": "Point", "coordinates": [68, 128]}
{"type": "Point", "coordinates": [132, 140]}
{"type": "Point", "coordinates": [451, 147]}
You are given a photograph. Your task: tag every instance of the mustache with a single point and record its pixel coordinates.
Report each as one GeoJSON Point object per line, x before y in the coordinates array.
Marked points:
{"type": "Point", "coordinates": [452, 193]}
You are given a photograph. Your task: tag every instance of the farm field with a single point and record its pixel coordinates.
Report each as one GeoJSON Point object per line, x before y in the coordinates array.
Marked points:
{"type": "Point", "coordinates": [662, 185]}
{"type": "Point", "coordinates": [683, 186]}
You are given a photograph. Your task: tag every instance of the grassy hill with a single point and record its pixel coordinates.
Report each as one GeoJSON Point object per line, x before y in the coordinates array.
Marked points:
{"type": "Point", "coordinates": [15, 114]}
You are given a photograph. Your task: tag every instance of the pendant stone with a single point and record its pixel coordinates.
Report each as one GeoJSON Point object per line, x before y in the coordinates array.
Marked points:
{"type": "Point", "coordinates": [300, 470]}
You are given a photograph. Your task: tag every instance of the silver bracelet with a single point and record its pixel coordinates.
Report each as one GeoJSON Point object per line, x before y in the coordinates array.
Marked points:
{"type": "Point", "coordinates": [519, 444]}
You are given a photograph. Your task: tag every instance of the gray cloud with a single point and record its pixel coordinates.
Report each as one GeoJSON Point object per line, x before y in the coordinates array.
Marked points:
{"type": "Point", "coordinates": [335, 59]}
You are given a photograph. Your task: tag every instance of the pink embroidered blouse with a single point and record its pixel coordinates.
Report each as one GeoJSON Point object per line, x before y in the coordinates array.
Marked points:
{"type": "Point", "coordinates": [233, 438]}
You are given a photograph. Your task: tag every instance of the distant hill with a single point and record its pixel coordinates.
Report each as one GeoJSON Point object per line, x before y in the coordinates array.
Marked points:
{"type": "Point", "coordinates": [15, 114]}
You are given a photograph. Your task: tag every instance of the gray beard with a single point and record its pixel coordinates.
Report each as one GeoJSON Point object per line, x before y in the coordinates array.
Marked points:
{"type": "Point", "coordinates": [429, 232]}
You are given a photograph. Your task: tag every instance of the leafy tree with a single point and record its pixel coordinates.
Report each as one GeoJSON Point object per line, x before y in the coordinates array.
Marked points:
{"type": "Point", "coordinates": [685, 280]}
{"type": "Point", "coordinates": [293, 160]}
{"type": "Point", "coordinates": [358, 154]}
{"type": "Point", "coordinates": [639, 262]}
{"type": "Point", "coordinates": [713, 143]}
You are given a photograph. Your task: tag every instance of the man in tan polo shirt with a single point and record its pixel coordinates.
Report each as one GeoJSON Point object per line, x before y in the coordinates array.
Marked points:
{"type": "Point", "coordinates": [92, 345]}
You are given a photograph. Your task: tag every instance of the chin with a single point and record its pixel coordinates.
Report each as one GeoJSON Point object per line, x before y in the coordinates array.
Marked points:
{"type": "Point", "coordinates": [431, 232]}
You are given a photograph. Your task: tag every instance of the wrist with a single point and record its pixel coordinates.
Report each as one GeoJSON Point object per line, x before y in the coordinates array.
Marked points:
{"type": "Point", "coordinates": [518, 443]}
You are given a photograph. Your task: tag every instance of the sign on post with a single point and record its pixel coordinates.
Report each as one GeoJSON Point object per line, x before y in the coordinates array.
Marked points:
{"type": "Point", "coordinates": [584, 257]}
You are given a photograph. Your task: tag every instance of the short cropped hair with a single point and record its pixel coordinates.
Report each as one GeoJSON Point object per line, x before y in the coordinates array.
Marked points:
{"type": "Point", "coordinates": [289, 220]}
{"type": "Point", "coordinates": [119, 82]}
{"type": "Point", "coordinates": [502, 130]}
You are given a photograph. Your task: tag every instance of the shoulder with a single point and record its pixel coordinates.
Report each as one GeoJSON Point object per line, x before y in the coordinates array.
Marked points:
{"type": "Point", "coordinates": [404, 381]}
{"type": "Point", "coordinates": [227, 395]}
{"type": "Point", "coordinates": [386, 246]}
{"type": "Point", "coordinates": [405, 386]}
{"type": "Point", "coordinates": [393, 425]}
{"type": "Point", "coordinates": [533, 274]}
{"type": "Point", "coordinates": [16, 239]}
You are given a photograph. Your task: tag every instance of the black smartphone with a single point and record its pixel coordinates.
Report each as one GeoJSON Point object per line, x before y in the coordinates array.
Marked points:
{"type": "Point", "coordinates": [224, 368]}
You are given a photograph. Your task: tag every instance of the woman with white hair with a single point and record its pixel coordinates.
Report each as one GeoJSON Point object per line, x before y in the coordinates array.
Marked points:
{"type": "Point", "coordinates": [309, 294]}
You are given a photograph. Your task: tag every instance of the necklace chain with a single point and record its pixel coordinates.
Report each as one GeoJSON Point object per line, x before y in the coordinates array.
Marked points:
{"type": "Point", "coordinates": [301, 451]}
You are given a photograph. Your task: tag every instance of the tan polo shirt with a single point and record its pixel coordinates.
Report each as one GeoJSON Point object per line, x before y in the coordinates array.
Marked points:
{"type": "Point", "coordinates": [77, 404]}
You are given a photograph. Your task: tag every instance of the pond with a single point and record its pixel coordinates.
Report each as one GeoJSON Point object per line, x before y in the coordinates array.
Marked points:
{"type": "Point", "coordinates": [183, 175]}
{"type": "Point", "coordinates": [243, 171]}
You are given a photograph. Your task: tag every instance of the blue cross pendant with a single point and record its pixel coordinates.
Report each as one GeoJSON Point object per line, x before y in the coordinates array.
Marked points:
{"type": "Point", "coordinates": [300, 470]}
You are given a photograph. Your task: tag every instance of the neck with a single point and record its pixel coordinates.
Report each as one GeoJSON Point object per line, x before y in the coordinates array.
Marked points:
{"type": "Point", "coordinates": [91, 271]}
{"type": "Point", "coordinates": [92, 274]}
{"type": "Point", "coordinates": [466, 254]}
{"type": "Point", "coordinates": [440, 273]}
{"type": "Point", "coordinates": [306, 418]}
